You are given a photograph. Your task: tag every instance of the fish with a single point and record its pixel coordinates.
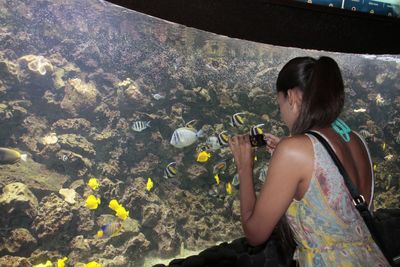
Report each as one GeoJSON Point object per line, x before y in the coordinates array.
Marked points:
{"type": "Point", "coordinates": [114, 205]}
{"type": "Point", "coordinates": [375, 167]}
{"type": "Point", "coordinates": [191, 124]}
{"type": "Point", "coordinates": [223, 138]}
{"type": "Point", "coordinates": [220, 167]}
{"type": "Point", "coordinates": [379, 100]}
{"type": "Point", "coordinates": [11, 156]}
{"type": "Point", "coordinates": [61, 262]}
{"type": "Point", "coordinates": [93, 183]}
{"type": "Point", "coordinates": [93, 264]}
{"type": "Point", "coordinates": [149, 184]}
{"type": "Point", "coordinates": [216, 177]}
{"type": "Point", "coordinates": [92, 202]}
{"type": "Point", "coordinates": [203, 156]}
{"type": "Point", "coordinates": [139, 126]}
{"type": "Point", "coordinates": [235, 180]}
{"type": "Point", "coordinates": [184, 136]}
{"type": "Point", "coordinates": [64, 158]}
{"type": "Point", "coordinates": [213, 143]}
{"type": "Point", "coordinates": [360, 110]}
{"type": "Point", "coordinates": [237, 120]}
{"type": "Point", "coordinates": [384, 146]}
{"type": "Point", "coordinates": [364, 133]}
{"type": "Point", "coordinates": [170, 171]}
{"type": "Point", "coordinates": [256, 129]}
{"type": "Point", "coordinates": [110, 229]}
{"type": "Point", "coordinates": [158, 96]}
{"type": "Point", "coordinates": [122, 213]}
{"type": "Point", "coordinates": [389, 157]}
{"type": "Point", "coordinates": [229, 188]}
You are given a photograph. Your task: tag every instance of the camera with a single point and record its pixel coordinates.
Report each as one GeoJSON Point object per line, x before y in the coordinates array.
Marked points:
{"type": "Point", "coordinates": [257, 140]}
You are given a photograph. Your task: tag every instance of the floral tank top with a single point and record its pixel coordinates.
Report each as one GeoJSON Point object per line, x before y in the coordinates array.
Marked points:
{"type": "Point", "coordinates": [328, 229]}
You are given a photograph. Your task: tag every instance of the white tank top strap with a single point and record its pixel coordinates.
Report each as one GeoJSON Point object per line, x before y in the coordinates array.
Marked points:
{"type": "Point", "coordinates": [372, 170]}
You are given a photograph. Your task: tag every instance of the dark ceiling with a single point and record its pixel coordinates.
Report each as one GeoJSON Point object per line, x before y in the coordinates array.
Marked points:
{"type": "Point", "coordinates": [284, 23]}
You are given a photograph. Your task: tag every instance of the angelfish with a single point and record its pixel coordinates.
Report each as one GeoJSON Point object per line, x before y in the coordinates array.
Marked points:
{"type": "Point", "coordinates": [10, 156]}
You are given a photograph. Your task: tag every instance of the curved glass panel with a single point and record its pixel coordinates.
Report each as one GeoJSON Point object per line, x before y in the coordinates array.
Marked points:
{"type": "Point", "coordinates": [91, 90]}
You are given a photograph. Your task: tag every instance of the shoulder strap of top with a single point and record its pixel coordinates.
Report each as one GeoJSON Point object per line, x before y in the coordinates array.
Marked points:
{"type": "Point", "coordinates": [372, 169]}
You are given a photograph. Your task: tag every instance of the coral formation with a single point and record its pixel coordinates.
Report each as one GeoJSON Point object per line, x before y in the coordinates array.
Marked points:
{"type": "Point", "coordinates": [38, 64]}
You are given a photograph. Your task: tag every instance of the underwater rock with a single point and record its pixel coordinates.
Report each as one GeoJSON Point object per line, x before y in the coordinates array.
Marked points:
{"type": "Point", "coordinates": [49, 139]}
{"type": "Point", "coordinates": [35, 126]}
{"type": "Point", "coordinates": [19, 242]}
{"type": "Point", "coordinates": [166, 237]}
{"type": "Point", "coordinates": [37, 64]}
{"type": "Point", "coordinates": [79, 96]}
{"type": "Point", "coordinates": [136, 247]}
{"type": "Point", "coordinates": [195, 171]}
{"type": "Point", "coordinates": [55, 223]}
{"type": "Point", "coordinates": [11, 261]}
{"type": "Point", "coordinates": [147, 164]}
{"type": "Point", "coordinates": [68, 194]}
{"type": "Point", "coordinates": [75, 165]}
{"type": "Point", "coordinates": [111, 190]}
{"type": "Point", "coordinates": [134, 94]}
{"type": "Point", "coordinates": [18, 205]}
{"type": "Point", "coordinates": [78, 125]}
{"type": "Point", "coordinates": [151, 214]}
{"type": "Point", "coordinates": [76, 143]}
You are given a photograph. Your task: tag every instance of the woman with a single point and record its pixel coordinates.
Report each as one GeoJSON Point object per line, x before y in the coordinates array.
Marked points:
{"type": "Point", "coordinates": [303, 183]}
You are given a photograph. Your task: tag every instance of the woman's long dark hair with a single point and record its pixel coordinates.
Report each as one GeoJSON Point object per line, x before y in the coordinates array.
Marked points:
{"type": "Point", "coordinates": [321, 84]}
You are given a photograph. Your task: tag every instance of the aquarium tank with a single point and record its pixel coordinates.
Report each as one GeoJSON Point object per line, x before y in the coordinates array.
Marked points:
{"type": "Point", "coordinates": [113, 130]}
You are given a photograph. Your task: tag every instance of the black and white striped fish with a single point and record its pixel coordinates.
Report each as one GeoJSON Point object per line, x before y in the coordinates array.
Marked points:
{"type": "Point", "coordinates": [223, 138]}
{"type": "Point", "coordinates": [256, 129]}
{"type": "Point", "coordinates": [237, 120]}
{"type": "Point", "coordinates": [170, 171]}
{"type": "Point", "coordinates": [139, 126]}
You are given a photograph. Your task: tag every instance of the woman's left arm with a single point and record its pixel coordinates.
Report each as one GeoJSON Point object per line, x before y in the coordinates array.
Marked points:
{"type": "Point", "coordinates": [259, 216]}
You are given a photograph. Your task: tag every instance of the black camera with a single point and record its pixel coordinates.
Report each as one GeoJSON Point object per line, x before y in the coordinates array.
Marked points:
{"type": "Point", "coordinates": [257, 140]}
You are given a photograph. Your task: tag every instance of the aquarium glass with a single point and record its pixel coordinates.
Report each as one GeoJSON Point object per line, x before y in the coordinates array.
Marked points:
{"type": "Point", "coordinates": [92, 93]}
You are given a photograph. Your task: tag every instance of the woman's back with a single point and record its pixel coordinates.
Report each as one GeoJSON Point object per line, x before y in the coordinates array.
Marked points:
{"type": "Point", "coordinates": [327, 227]}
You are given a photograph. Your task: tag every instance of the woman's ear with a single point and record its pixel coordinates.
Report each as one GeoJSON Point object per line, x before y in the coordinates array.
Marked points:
{"type": "Point", "coordinates": [295, 98]}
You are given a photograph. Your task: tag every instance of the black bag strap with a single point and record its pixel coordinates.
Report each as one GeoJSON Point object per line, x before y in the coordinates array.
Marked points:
{"type": "Point", "coordinates": [358, 199]}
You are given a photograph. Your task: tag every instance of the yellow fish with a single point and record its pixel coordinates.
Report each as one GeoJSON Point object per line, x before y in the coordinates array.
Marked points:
{"type": "Point", "coordinates": [384, 146]}
{"type": "Point", "coordinates": [93, 264]}
{"type": "Point", "coordinates": [92, 202]}
{"type": "Point", "coordinates": [359, 110]}
{"type": "Point", "coordinates": [61, 262]}
{"type": "Point", "coordinates": [229, 188]}
{"type": "Point", "coordinates": [255, 158]}
{"type": "Point", "coordinates": [203, 156]}
{"type": "Point", "coordinates": [114, 205]}
{"type": "Point", "coordinates": [122, 213]}
{"type": "Point", "coordinates": [10, 156]}
{"type": "Point", "coordinates": [216, 177]}
{"type": "Point", "coordinates": [47, 264]}
{"type": "Point", "coordinates": [149, 184]}
{"type": "Point", "coordinates": [375, 166]}
{"type": "Point", "coordinates": [93, 183]}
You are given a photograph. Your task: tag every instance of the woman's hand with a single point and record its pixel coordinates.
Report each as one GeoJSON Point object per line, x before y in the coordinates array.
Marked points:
{"type": "Point", "coordinates": [242, 152]}
{"type": "Point", "coordinates": [272, 142]}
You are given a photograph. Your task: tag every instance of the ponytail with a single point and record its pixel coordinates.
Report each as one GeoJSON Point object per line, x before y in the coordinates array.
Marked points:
{"type": "Point", "coordinates": [323, 91]}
